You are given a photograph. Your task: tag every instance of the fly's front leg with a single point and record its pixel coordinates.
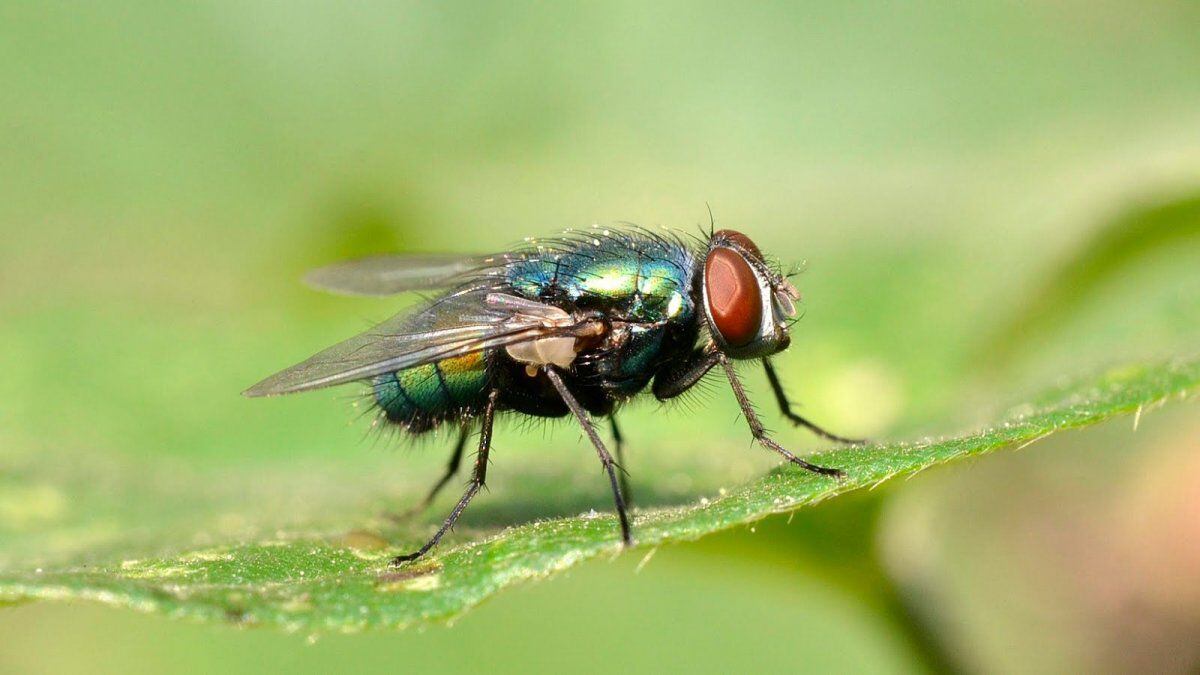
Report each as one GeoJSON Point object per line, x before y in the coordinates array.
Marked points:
{"type": "Point", "coordinates": [757, 428]}
{"type": "Point", "coordinates": [785, 407]}
{"type": "Point", "coordinates": [605, 459]}
{"type": "Point", "coordinates": [672, 382]}
{"type": "Point", "coordinates": [477, 478]}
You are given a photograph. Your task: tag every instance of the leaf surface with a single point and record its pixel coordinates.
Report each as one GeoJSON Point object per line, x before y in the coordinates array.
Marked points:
{"type": "Point", "coordinates": [306, 581]}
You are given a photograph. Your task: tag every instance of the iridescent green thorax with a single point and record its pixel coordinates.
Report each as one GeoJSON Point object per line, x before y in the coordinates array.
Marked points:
{"type": "Point", "coordinates": [644, 278]}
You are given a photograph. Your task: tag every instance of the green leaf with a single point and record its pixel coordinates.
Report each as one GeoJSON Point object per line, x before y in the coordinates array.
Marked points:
{"type": "Point", "coordinates": [311, 582]}
{"type": "Point", "coordinates": [1168, 228]}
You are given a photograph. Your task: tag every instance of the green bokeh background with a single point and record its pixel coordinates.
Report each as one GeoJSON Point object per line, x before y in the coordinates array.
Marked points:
{"type": "Point", "coordinates": [985, 195]}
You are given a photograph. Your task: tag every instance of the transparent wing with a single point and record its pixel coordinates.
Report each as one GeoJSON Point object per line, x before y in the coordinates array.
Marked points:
{"type": "Point", "coordinates": [458, 324]}
{"type": "Point", "coordinates": [392, 274]}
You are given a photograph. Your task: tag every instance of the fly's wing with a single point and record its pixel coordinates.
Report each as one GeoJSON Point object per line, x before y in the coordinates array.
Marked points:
{"type": "Point", "coordinates": [391, 274]}
{"type": "Point", "coordinates": [468, 321]}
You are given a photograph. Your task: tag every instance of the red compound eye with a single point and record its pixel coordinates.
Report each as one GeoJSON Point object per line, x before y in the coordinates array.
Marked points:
{"type": "Point", "coordinates": [734, 296]}
{"type": "Point", "coordinates": [739, 239]}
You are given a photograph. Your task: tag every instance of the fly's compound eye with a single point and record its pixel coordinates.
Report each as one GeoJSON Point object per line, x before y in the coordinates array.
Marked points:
{"type": "Point", "coordinates": [734, 296]}
{"type": "Point", "coordinates": [741, 240]}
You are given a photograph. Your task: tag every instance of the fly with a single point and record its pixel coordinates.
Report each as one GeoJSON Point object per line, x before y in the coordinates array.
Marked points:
{"type": "Point", "coordinates": [570, 326]}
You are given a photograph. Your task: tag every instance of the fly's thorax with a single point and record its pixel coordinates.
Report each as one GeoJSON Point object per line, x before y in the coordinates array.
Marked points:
{"type": "Point", "coordinates": [615, 277]}
{"type": "Point", "coordinates": [640, 278]}
{"type": "Point", "coordinates": [641, 290]}
{"type": "Point", "coordinates": [636, 348]}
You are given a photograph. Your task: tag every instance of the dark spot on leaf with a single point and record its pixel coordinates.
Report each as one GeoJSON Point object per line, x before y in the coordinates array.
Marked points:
{"type": "Point", "coordinates": [237, 615]}
{"type": "Point", "coordinates": [409, 573]}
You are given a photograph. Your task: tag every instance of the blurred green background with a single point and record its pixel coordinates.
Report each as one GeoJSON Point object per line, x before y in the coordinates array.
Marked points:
{"type": "Point", "coordinates": [986, 196]}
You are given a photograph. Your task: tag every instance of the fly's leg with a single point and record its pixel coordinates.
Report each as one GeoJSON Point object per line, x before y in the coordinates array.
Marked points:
{"type": "Point", "coordinates": [606, 459]}
{"type": "Point", "coordinates": [623, 477]}
{"type": "Point", "coordinates": [759, 431]}
{"type": "Point", "coordinates": [671, 383]}
{"type": "Point", "coordinates": [451, 470]}
{"type": "Point", "coordinates": [477, 478]}
{"type": "Point", "coordinates": [785, 407]}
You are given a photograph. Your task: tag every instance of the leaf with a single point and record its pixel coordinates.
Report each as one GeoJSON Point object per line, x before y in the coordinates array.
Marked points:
{"type": "Point", "coordinates": [1171, 227]}
{"type": "Point", "coordinates": [305, 581]}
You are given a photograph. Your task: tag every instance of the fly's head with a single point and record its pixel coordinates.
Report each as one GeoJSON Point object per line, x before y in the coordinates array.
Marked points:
{"type": "Point", "coordinates": [747, 304]}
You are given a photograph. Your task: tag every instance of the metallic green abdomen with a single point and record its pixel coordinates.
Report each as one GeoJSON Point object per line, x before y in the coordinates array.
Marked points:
{"type": "Point", "coordinates": [420, 397]}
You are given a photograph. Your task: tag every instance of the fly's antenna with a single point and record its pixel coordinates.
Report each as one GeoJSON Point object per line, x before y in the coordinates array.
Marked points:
{"type": "Point", "coordinates": [796, 269]}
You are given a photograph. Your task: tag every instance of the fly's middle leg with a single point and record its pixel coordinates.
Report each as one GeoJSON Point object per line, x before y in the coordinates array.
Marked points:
{"type": "Point", "coordinates": [606, 459]}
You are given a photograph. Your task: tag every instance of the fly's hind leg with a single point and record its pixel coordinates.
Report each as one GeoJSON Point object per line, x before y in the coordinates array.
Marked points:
{"type": "Point", "coordinates": [684, 374]}
{"type": "Point", "coordinates": [451, 471]}
{"type": "Point", "coordinates": [623, 476]}
{"type": "Point", "coordinates": [605, 458]}
{"type": "Point", "coordinates": [477, 479]}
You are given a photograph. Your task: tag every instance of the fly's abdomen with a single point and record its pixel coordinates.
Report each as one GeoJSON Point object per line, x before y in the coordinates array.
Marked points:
{"type": "Point", "coordinates": [421, 397]}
